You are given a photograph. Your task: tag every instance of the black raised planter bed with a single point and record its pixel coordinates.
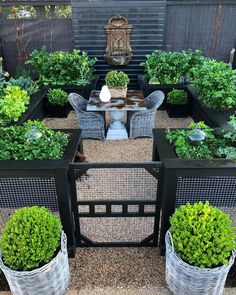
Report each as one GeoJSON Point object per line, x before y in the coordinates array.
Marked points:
{"type": "Point", "coordinates": [57, 111]}
{"type": "Point", "coordinates": [35, 109]}
{"type": "Point", "coordinates": [192, 181]}
{"type": "Point", "coordinates": [212, 117]}
{"type": "Point", "coordinates": [42, 183]}
{"type": "Point", "coordinates": [166, 88]}
{"type": "Point", "coordinates": [177, 111]}
{"type": "Point", "coordinates": [82, 90]}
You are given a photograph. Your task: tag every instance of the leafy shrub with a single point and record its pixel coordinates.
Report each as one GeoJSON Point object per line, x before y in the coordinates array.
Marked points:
{"type": "Point", "coordinates": [177, 97]}
{"type": "Point", "coordinates": [30, 238]}
{"type": "Point", "coordinates": [163, 67]}
{"type": "Point", "coordinates": [229, 151]}
{"type": "Point", "coordinates": [25, 83]}
{"type": "Point", "coordinates": [213, 146]}
{"type": "Point", "coordinates": [57, 97]}
{"type": "Point", "coordinates": [63, 68]}
{"type": "Point", "coordinates": [13, 104]}
{"type": "Point", "coordinates": [31, 141]}
{"type": "Point", "coordinates": [203, 236]}
{"type": "Point", "coordinates": [3, 82]}
{"type": "Point", "coordinates": [116, 79]}
{"type": "Point", "coordinates": [215, 84]}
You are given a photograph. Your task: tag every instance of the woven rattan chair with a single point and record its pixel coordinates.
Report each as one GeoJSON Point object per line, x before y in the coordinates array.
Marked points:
{"type": "Point", "coordinates": [92, 124]}
{"type": "Point", "coordinates": [140, 124]}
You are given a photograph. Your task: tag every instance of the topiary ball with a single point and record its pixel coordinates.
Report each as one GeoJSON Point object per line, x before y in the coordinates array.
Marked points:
{"type": "Point", "coordinates": [30, 238]}
{"type": "Point", "coordinates": [203, 235]}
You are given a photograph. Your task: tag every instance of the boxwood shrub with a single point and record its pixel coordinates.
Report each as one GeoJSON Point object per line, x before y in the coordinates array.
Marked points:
{"type": "Point", "coordinates": [30, 238]}
{"type": "Point", "coordinates": [177, 97]}
{"type": "Point", "coordinates": [203, 235]}
{"type": "Point", "coordinates": [117, 79]}
{"type": "Point", "coordinates": [57, 97]}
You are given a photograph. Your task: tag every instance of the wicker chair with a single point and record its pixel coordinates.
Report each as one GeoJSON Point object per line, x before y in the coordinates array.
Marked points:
{"type": "Point", "coordinates": [91, 123]}
{"type": "Point", "coordinates": [140, 124]}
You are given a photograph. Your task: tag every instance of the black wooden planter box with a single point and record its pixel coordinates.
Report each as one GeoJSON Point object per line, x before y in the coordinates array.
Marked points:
{"type": "Point", "coordinates": [35, 110]}
{"type": "Point", "coordinates": [81, 90]}
{"type": "Point", "coordinates": [42, 183]}
{"type": "Point", "coordinates": [177, 111]}
{"type": "Point", "coordinates": [192, 181]}
{"type": "Point", "coordinates": [166, 88]}
{"type": "Point", "coordinates": [57, 111]}
{"type": "Point", "coordinates": [200, 112]}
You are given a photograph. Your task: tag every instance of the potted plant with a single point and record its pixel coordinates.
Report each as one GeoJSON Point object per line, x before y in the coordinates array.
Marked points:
{"type": "Point", "coordinates": [200, 248]}
{"type": "Point", "coordinates": [57, 103]}
{"type": "Point", "coordinates": [117, 83]}
{"type": "Point", "coordinates": [177, 104]}
{"type": "Point", "coordinates": [71, 71]}
{"type": "Point", "coordinates": [33, 253]}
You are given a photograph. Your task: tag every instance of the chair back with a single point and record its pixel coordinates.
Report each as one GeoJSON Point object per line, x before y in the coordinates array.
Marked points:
{"type": "Point", "coordinates": [78, 102]}
{"type": "Point", "coordinates": [155, 99]}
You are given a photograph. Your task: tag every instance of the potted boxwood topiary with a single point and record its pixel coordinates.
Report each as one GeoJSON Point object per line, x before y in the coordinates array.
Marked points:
{"type": "Point", "coordinates": [199, 250]}
{"type": "Point", "coordinates": [57, 103]}
{"type": "Point", "coordinates": [117, 83]}
{"type": "Point", "coordinates": [177, 104]}
{"type": "Point", "coordinates": [33, 253]}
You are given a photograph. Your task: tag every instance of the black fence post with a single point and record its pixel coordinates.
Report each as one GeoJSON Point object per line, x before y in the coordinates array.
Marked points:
{"type": "Point", "coordinates": [65, 208]}
{"type": "Point", "coordinates": [170, 181]}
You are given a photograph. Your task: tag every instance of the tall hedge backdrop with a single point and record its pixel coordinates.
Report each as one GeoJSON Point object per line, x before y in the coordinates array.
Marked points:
{"type": "Point", "coordinates": [208, 25]}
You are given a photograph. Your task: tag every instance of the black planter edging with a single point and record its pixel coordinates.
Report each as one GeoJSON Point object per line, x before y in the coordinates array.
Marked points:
{"type": "Point", "coordinates": [200, 112]}
{"type": "Point", "coordinates": [177, 111]}
{"type": "Point", "coordinates": [57, 111]}
{"type": "Point", "coordinates": [166, 88]}
{"type": "Point", "coordinates": [56, 171]}
{"type": "Point", "coordinates": [35, 110]}
{"type": "Point", "coordinates": [178, 174]}
{"type": "Point", "coordinates": [81, 90]}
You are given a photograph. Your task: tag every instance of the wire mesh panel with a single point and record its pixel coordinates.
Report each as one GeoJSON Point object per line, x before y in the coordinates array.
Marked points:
{"type": "Point", "coordinates": [117, 229]}
{"type": "Point", "coordinates": [117, 184]}
{"type": "Point", "coordinates": [117, 205]}
{"type": "Point", "coordinates": [21, 192]}
{"type": "Point", "coordinates": [220, 191]}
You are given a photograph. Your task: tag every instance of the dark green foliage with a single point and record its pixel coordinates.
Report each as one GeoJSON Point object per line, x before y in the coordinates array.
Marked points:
{"type": "Point", "coordinates": [177, 97]}
{"type": "Point", "coordinates": [212, 147]}
{"type": "Point", "coordinates": [21, 142]}
{"type": "Point", "coordinates": [162, 67]}
{"type": "Point", "coordinates": [203, 236]}
{"type": "Point", "coordinates": [215, 84]}
{"type": "Point", "coordinates": [116, 79]}
{"type": "Point", "coordinates": [57, 97]}
{"type": "Point", "coordinates": [13, 103]}
{"type": "Point", "coordinates": [25, 83]}
{"type": "Point", "coordinates": [63, 68]}
{"type": "Point", "coordinates": [30, 238]}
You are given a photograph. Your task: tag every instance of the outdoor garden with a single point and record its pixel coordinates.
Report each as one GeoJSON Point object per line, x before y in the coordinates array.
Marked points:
{"type": "Point", "coordinates": [117, 173]}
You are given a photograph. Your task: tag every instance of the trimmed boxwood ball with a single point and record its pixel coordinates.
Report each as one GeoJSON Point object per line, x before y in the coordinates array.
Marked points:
{"type": "Point", "coordinates": [57, 97]}
{"type": "Point", "coordinates": [30, 238]}
{"type": "Point", "coordinates": [177, 97]}
{"type": "Point", "coordinates": [116, 79]}
{"type": "Point", "coordinates": [203, 235]}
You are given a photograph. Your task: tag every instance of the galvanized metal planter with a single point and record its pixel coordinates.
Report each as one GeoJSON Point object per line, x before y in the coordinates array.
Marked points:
{"type": "Point", "coordinates": [52, 278]}
{"type": "Point", "coordinates": [185, 279]}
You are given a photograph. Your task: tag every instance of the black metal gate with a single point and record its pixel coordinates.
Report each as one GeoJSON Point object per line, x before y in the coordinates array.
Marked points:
{"type": "Point", "coordinates": [116, 204]}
